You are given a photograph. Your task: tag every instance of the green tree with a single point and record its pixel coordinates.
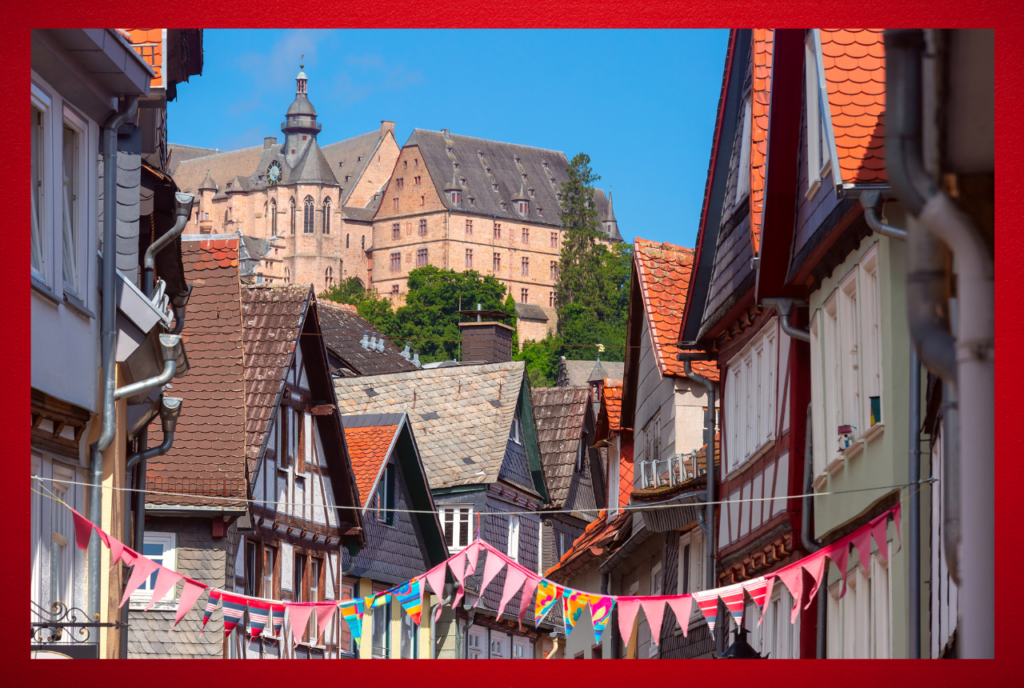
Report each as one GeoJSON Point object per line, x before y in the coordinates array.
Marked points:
{"type": "Point", "coordinates": [579, 259]}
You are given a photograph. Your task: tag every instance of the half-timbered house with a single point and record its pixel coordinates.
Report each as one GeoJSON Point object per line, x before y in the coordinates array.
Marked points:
{"type": "Point", "coordinates": [257, 496]}
{"type": "Point", "coordinates": [475, 429]}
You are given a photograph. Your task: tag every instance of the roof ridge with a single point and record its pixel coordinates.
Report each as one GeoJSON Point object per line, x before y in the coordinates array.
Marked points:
{"type": "Point", "coordinates": [213, 155]}
{"type": "Point", "coordinates": [664, 245]}
{"type": "Point", "coordinates": [504, 143]}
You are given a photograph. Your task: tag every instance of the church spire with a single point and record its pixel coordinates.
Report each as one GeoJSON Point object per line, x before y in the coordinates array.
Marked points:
{"type": "Point", "coordinates": [300, 80]}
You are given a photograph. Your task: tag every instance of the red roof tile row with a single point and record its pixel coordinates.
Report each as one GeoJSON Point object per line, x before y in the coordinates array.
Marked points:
{"type": "Point", "coordinates": [368, 450]}
{"type": "Point", "coordinates": [760, 100]}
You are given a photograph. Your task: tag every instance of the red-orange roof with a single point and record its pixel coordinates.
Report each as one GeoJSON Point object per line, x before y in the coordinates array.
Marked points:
{"type": "Point", "coordinates": [763, 43]}
{"type": "Point", "coordinates": [854, 62]}
{"type": "Point", "coordinates": [593, 543]}
{"type": "Point", "coordinates": [611, 399]}
{"type": "Point", "coordinates": [664, 274]}
{"type": "Point", "coordinates": [148, 43]}
{"type": "Point", "coordinates": [367, 450]}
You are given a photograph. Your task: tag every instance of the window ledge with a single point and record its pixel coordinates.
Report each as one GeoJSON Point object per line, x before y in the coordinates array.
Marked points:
{"type": "Point", "coordinates": [812, 190]}
{"type": "Point", "coordinates": [854, 449]}
{"type": "Point", "coordinates": [819, 482]}
{"type": "Point", "coordinates": [874, 431]}
{"type": "Point", "coordinates": [138, 605]}
{"type": "Point", "coordinates": [73, 302]}
{"type": "Point", "coordinates": [835, 465]}
{"type": "Point", "coordinates": [45, 292]}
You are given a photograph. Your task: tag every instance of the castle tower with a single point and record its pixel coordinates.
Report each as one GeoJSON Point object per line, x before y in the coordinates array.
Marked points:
{"type": "Point", "coordinates": [300, 126]}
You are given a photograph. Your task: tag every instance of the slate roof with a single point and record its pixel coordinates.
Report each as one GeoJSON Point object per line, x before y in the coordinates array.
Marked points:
{"type": "Point", "coordinates": [663, 271]}
{"type": "Point", "coordinates": [763, 43]}
{"type": "Point", "coordinates": [343, 157]}
{"type": "Point", "coordinates": [208, 441]}
{"type": "Point", "coordinates": [178, 153]}
{"type": "Point", "coordinates": [368, 450]}
{"type": "Point", "coordinates": [544, 171]}
{"type": "Point", "coordinates": [531, 311]}
{"type": "Point", "coordinates": [223, 166]}
{"type": "Point", "coordinates": [578, 373]}
{"type": "Point", "coordinates": [461, 416]}
{"type": "Point", "coordinates": [271, 317]}
{"type": "Point", "coordinates": [559, 414]}
{"type": "Point", "coordinates": [599, 539]}
{"type": "Point", "coordinates": [343, 329]}
{"type": "Point", "coordinates": [854, 64]}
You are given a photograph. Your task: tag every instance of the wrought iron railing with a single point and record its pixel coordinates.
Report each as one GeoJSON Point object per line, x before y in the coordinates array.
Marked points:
{"type": "Point", "coordinates": [63, 624]}
{"type": "Point", "coordinates": [669, 472]}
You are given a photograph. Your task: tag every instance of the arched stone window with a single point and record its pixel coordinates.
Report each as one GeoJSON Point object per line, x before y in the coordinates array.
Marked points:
{"type": "Point", "coordinates": [291, 215]}
{"type": "Point", "coordinates": [346, 241]}
{"type": "Point", "coordinates": [307, 215]}
{"type": "Point", "coordinates": [327, 216]}
{"type": "Point", "coordinates": [273, 217]}
{"type": "Point", "coordinates": [287, 276]}
{"type": "Point", "coordinates": [329, 277]}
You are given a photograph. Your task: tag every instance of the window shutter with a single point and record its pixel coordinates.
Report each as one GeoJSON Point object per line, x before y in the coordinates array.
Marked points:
{"type": "Point", "coordinates": [300, 447]}
{"type": "Point", "coordinates": [286, 448]}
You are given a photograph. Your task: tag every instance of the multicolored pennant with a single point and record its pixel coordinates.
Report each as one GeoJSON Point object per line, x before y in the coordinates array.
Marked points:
{"type": "Point", "coordinates": [601, 611]}
{"type": "Point", "coordinates": [234, 612]}
{"type": "Point", "coordinates": [276, 619]}
{"type": "Point", "coordinates": [410, 597]}
{"type": "Point", "coordinates": [573, 605]}
{"type": "Point", "coordinates": [547, 594]}
{"type": "Point", "coordinates": [352, 612]}
{"type": "Point", "coordinates": [211, 606]}
{"type": "Point", "coordinates": [734, 600]}
{"type": "Point", "coordinates": [259, 614]}
{"type": "Point", "coordinates": [708, 603]}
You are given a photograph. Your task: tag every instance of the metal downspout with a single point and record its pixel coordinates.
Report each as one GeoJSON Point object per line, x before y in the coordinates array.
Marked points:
{"type": "Point", "coordinates": [975, 342]}
{"type": "Point", "coordinates": [785, 307]}
{"type": "Point", "coordinates": [182, 210]}
{"type": "Point", "coordinates": [871, 201]}
{"type": "Point", "coordinates": [108, 334]}
{"type": "Point", "coordinates": [806, 535]}
{"type": "Point", "coordinates": [913, 476]}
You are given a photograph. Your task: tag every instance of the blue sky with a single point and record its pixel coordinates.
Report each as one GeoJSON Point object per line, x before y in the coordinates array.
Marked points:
{"type": "Point", "coordinates": [641, 103]}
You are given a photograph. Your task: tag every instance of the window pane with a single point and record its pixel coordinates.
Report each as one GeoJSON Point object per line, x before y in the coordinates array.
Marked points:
{"type": "Point", "coordinates": [70, 239]}
{"type": "Point", "coordinates": [463, 527]}
{"type": "Point", "coordinates": [37, 190]}
{"type": "Point", "coordinates": [447, 516]}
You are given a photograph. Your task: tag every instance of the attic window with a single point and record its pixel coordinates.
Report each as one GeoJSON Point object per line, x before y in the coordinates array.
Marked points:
{"type": "Point", "coordinates": [504, 206]}
{"type": "Point", "coordinates": [456, 197]}
{"type": "Point", "coordinates": [544, 164]}
{"type": "Point", "coordinates": [370, 392]}
{"type": "Point", "coordinates": [517, 429]}
{"type": "Point", "coordinates": [540, 211]}
{"type": "Point", "coordinates": [359, 159]}
{"type": "Point", "coordinates": [229, 185]}
{"type": "Point", "coordinates": [303, 137]}
{"type": "Point", "coordinates": [524, 177]}
{"type": "Point", "coordinates": [472, 201]}
{"type": "Point", "coordinates": [495, 186]}
{"type": "Point", "coordinates": [449, 149]}
{"type": "Point", "coordinates": [347, 177]}
{"type": "Point", "coordinates": [517, 161]}
{"type": "Point", "coordinates": [456, 165]}
{"type": "Point", "coordinates": [463, 181]}
{"type": "Point", "coordinates": [532, 194]}
{"type": "Point", "coordinates": [429, 416]}
{"type": "Point", "coordinates": [341, 164]}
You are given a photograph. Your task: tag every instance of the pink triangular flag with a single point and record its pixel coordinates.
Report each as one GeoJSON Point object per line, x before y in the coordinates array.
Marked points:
{"type": "Point", "coordinates": [299, 617]}
{"type": "Point", "coordinates": [862, 542]}
{"type": "Point", "coordinates": [814, 565]}
{"type": "Point", "coordinates": [83, 529]}
{"type": "Point", "coordinates": [435, 579]}
{"type": "Point", "coordinates": [529, 589]}
{"type": "Point", "coordinates": [189, 594]}
{"type": "Point", "coordinates": [793, 578]}
{"type": "Point", "coordinates": [514, 580]}
{"type": "Point", "coordinates": [880, 531]}
{"type": "Point", "coordinates": [140, 572]}
{"type": "Point", "coordinates": [628, 608]}
{"type": "Point", "coordinates": [472, 554]}
{"type": "Point", "coordinates": [492, 566]}
{"type": "Point", "coordinates": [324, 612]}
{"type": "Point", "coordinates": [767, 596]}
{"type": "Point", "coordinates": [165, 580]}
{"type": "Point", "coordinates": [682, 607]}
{"type": "Point", "coordinates": [654, 610]}
{"type": "Point", "coordinates": [116, 549]}
{"type": "Point", "coordinates": [458, 566]}
{"type": "Point", "coordinates": [839, 553]}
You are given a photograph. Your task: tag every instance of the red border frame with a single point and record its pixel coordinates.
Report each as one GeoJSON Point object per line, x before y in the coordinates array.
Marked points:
{"type": "Point", "coordinates": [498, 13]}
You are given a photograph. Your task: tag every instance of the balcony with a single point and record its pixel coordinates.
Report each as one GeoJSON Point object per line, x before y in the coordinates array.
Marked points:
{"type": "Point", "coordinates": [670, 472]}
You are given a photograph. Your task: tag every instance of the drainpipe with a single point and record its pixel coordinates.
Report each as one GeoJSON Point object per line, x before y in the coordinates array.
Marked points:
{"type": "Point", "coordinates": [871, 201]}
{"type": "Point", "coordinates": [182, 210]}
{"type": "Point", "coordinates": [554, 648]}
{"type": "Point", "coordinates": [171, 346]}
{"type": "Point", "coordinates": [975, 343]}
{"type": "Point", "coordinates": [108, 335]}
{"type": "Point", "coordinates": [709, 462]}
{"type": "Point", "coordinates": [913, 476]}
{"type": "Point", "coordinates": [806, 534]}
{"type": "Point", "coordinates": [785, 307]}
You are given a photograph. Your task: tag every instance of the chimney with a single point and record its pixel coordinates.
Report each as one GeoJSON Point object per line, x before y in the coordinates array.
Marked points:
{"type": "Point", "coordinates": [446, 133]}
{"type": "Point", "coordinates": [269, 141]}
{"type": "Point", "coordinates": [386, 126]}
{"type": "Point", "coordinates": [486, 342]}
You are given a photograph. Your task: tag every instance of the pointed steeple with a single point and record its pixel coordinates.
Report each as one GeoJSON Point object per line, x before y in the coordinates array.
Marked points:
{"type": "Point", "coordinates": [611, 209]}
{"type": "Point", "coordinates": [207, 183]}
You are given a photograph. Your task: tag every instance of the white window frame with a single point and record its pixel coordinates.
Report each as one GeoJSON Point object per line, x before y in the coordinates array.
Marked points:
{"type": "Point", "coordinates": [752, 398]}
{"type": "Point", "coordinates": [62, 535]}
{"type": "Point", "coordinates": [849, 347]}
{"type": "Point", "coordinates": [77, 205]}
{"type": "Point", "coordinates": [860, 624]}
{"type": "Point", "coordinates": [819, 159]}
{"type": "Point", "coordinates": [45, 274]}
{"type": "Point", "coordinates": [516, 434]}
{"type": "Point", "coordinates": [870, 334]}
{"type": "Point", "coordinates": [476, 639]}
{"type": "Point", "coordinates": [694, 539]}
{"type": "Point", "coordinates": [169, 560]}
{"type": "Point", "coordinates": [521, 648]}
{"type": "Point", "coordinates": [513, 537]}
{"type": "Point", "coordinates": [454, 510]}
{"type": "Point", "coordinates": [832, 376]}
{"type": "Point", "coordinates": [818, 412]}
{"type": "Point", "coordinates": [775, 635]}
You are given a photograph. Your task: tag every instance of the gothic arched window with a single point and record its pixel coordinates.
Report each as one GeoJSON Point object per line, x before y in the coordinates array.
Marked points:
{"type": "Point", "coordinates": [273, 217]}
{"type": "Point", "coordinates": [287, 276]}
{"type": "Point", "coordinates": [329, 277]}
{"type": "Point", "coordinates": [346, 241]}
{"type": "Point", "coordinates": [307, 215]}
{"type": "Point", "coordinates": [327, 216]}
{"type": "Point", "coordinates": [291, 215]}
{"type": "Point", "coordinates": [362, 242]}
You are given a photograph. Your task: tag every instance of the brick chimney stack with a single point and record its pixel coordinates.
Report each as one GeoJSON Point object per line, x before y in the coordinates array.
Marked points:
{"type": "Point", "coordinates": [269, 141]}
{"type": "Point", "coordinates": [486, 342]}
{"type": "Point", "coordinates": [386, 126]}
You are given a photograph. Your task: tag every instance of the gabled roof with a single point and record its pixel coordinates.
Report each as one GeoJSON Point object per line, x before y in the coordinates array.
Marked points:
{"type": "Point", "coordinates": [209, 440]}
{"type": "Point", "coordinates": [854, 65]}
{"type": "Point", "coordinates": [609, 419]}
{"type": "Point", "coordinates": [223, 166]}
{"type": "Point", "coordinates": [760, 101]}
{"type": "Point", "coordinates": [344, 328]}
{"type": "Point", "coordinates": [462, 416]}
{"type": "Point", "coordinates": [578, 373]}
{"type": "Point", "coordinates": [350, 157]}
{"type": "Point", "coordinates": [560, 414]}
{"type": "Point", "coordinates": [663, 273]}
{"type": "Point", "coordinates": [599, 539]}
{"type": "Point", "coordinates": [368, 448]}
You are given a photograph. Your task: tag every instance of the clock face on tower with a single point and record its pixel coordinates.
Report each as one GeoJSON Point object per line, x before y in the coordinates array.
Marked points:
{"type": "Point", "coordinates": [274, 173]}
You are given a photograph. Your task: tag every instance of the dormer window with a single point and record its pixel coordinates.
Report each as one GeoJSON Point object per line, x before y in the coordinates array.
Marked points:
{"type": "Point", "coordinates": [359, 159]}
{"type": "Point", "coordinates": [532, 194]}
{"type": "Point", "coordinates": [504, 206]}
{"type": "Point", "coordinates": [463, 181]}
{"type": "Point", "coordinates": [516, 435]}
{"type": "Point", "coordinates": [517, 161]}
{"type": "Point", "coordinates": [456, 164]}
{"type": "Point", "coordinates": [456, 196]}
{"type": "Point", "coordinates": [540, 211]}
{"type": "Point", "coordinates": [472, 201]}
{"type": "Point", "coordinates": [494, 186]}
{"type": "Point", "coordinates": [524, 207]}
{"type": "Point", "coordinates": [341, 164]}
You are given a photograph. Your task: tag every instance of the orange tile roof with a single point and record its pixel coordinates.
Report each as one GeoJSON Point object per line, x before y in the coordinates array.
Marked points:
{"type": "Point", "coordinates": [611, 399]}
{"type": "Point", "coordinates": [763, 43]}
{"type": "Point", "coordinates": [854, 62]}
{"type": "Point", "coordinates": [626, 471]}
{"type": "Point", "coordinates": [592, 543]}
{"type": "Point", "coordinates": [148, 43]}
{"type": "Point", "coordinates": [367, 450]}
{"type": "Point", "coordinates": [664, 274]}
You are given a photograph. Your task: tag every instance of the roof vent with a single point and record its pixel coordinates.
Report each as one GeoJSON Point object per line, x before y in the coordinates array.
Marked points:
{"type": "Point", "coordinates": [416, 359]}
{"type": "Point", "coordinates": [380, 345]}
{"type": "Point", "coordinates": [446, 133]}
{"type": "Point", "coordinates": [371, 392]}
{"type": "Point", "coordinates": [373, 344]}
{"type": "Point", "coordinates": [364, 342]}
{"type": "Point", "coordinates": [405, 352]}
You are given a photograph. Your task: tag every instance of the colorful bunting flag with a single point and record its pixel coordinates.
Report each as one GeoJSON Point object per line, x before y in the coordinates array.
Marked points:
{"type": "Point", "coordinates": [514, 579]}
{"type": "Point", "coordinates": [165, 580]}
{"type": "Point", "coordinates": [298, 617]}
{"type": "Point", "coordinates": [352, 612]}
{"type": "Point", "coordinates": [492, 567]}
{"type": "Point", "coordinates": [573, 605]}
{"type": "Point", "coordinates": [601, 611]}
{"type": "Point", "coordinates": [276, 619]}
{"type": "Point", "coordinates": [732, 597]}
{"type": "Point", "coordinates": [141, 570]}
{"type": "Point", "coordinates": [547, 594]}
{"type": "Point", "coordinates": [324, 612]}
{"type": "Point", "coordinates": [529, 588]}
{"type": "Point", "coordinates": [259, 614]}
{"type": "Point", "coordinates": [211, 606]}
{"type": "Point", "coordinates": [189, 594]}
{"type": "Point", "coordinates": [654, 610]}
{"type": "Point", "coordinates": [628, 609]}
{"type": "Point", "coordinates": [234, 612]}
{"type": "Point", "coordinates": [410, 596]}
{"type": "Point", "coordinates": [681, 606]}
{"type": "Point", "coordinates": [708, 603]}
